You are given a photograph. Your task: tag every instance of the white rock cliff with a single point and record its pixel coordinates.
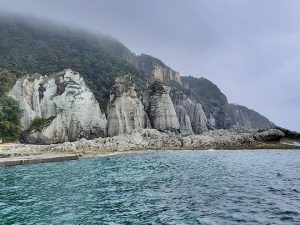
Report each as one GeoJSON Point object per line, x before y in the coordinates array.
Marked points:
{"type": "Point", "coordinates": [65, 98]}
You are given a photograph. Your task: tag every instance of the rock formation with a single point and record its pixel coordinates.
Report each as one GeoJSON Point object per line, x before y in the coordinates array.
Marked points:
{"type": "Point", "coordinates": [190, 114]}
{"type": "Point", "coordinates": [210, 97]}
{"type": "Point", "coordinates": [184, 121]}
{"type": "Point", "coordinates": [69, 110]}
{"type": "Point", "coordinates": [240, 117]}
{"type": "Point", "coordinates": [162, 112]}
{"type": "Point", "coordinates": [156, 68]}
{"type": "Point", "coordinates": [165, 74]}
{"type": "Point", "coordinates": [125, 112]}
{"type": "Point", "coordinates": [152, 139]}
{"type": "Point", "coordinates": [68, 107]}
{"type": "Point", "coordinates": [66, 101]}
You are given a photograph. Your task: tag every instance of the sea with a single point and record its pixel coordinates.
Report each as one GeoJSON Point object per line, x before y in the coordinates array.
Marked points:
{"type": "Point", "coordinates": [157, 187]}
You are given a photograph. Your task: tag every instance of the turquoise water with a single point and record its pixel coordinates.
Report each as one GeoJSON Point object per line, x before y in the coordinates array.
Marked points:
{"type": "Point", "coordinates": [172, 187]}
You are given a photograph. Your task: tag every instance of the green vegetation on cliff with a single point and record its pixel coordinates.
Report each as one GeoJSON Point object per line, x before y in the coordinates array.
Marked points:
{"type": "Point", "coordinates": [40, 123]}
{"type": "Point", "coordinates": [10, 114]}
{"type": "Point", "coordinates": [147, 63]}
{"type": "Point", "coordinates": [32, 47]}
{"type": "Point", "coordinates": [29, 47]}
{"type": "Point", "coordinates": [7, 81]}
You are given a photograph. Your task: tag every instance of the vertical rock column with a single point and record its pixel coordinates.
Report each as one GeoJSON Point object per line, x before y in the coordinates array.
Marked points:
{"type": "Point", "coordinates": [125, 111]}
{"type": "Point", "coordinates": [162, 112]}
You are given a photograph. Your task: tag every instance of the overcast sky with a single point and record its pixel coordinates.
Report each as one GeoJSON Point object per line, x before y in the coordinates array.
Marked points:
{"type": "Point", "coordinates": [249, 48]}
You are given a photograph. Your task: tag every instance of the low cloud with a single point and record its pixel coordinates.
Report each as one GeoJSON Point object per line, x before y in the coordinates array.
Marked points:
{"type": "Point", "coordinates": [250, 49]}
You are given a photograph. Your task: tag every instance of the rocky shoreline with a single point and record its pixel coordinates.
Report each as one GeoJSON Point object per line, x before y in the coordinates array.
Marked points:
{"type": "Point", "coordinates": [151, 139]}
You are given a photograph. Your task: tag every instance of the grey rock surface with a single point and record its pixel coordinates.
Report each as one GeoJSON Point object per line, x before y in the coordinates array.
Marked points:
{"type": "Point", "coordinates": [162, 112]}
{"type": "Point", "coordinates": [151, 139]}
{"type": "Point", "coordinates": [184, 121]}
{"type": "Point", "coordinates": [240, 117]}
{"type": "Point", "coordinates": [125, 112]}
{"type": "Point", "coordinates": [190, 114]}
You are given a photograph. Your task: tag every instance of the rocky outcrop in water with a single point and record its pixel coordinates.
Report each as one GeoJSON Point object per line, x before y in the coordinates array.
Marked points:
{"type": "Point", "coordinates": [162, 112]}
{"type": "Point", "coordinates": [65, 101]}
{"type": "Point", "coordinates": [125, 112]}
{"type": "Point", "coordinates": [152, 139]}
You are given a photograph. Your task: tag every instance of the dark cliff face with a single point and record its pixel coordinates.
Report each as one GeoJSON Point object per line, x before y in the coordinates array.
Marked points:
{"type": "Point", "coordinates": [241, 117]}
{"type": "Point", "coordinates": [190, 113]}
{"type": "Point", "coordinates": [209, 95]}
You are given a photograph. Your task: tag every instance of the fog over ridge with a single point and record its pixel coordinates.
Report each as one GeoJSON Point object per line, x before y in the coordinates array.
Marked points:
{"type": "Point", "coordinates": [250, 49]}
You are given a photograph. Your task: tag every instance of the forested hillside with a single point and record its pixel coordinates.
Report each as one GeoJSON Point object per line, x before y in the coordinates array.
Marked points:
{"type": "Point", "coordinates": [31, 47]}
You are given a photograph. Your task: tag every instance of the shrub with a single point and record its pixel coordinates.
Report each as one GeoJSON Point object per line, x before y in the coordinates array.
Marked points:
{"type": "Point", "coordinates": [10, 113]}
{"type": "Point", "coordinates": [39, 124]}
{"type": "Point", "coordinates": [7, 81]}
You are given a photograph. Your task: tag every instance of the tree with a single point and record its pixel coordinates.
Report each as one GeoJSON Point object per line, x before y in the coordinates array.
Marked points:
{"type": "Point", "coordinates": [10, 113]}
{"type": "Point", "coordinates": [7, 81]}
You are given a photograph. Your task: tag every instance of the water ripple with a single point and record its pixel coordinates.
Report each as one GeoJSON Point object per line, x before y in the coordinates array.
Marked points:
{"type": "Point", "coordinates": [167, 187]}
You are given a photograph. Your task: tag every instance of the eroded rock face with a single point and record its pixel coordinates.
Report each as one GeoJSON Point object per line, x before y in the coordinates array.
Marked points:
{"type": "Point", "coordinates": [156, 68]}
{"type": "Point", "coordinates": [165, 74]}
{"type": "Point", "coordinates": [190, 114]}
{"type": "Point", "coordinates": [65, 97]}
{"type": "Point", "coordinates": [162, 112]}
{"type": "Point", "coordinates": [125, 112]}
{"type": "Point", "coordinates": [210, 97]}
{"type": "Point", "coordinates": [240, 117]}
{"type": "Point", "coordinates": [184, 121]}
